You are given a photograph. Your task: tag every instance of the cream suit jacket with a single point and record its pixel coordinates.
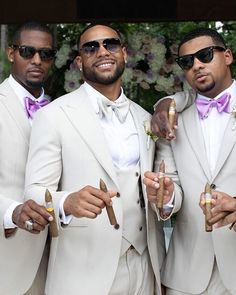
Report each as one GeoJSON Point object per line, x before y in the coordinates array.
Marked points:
{"type": "Point", "coordinates": [68, 151]}
{"type": "Point", "coordinates": [20, 254]}
{"type": "Point", "coordinates": [190, 257]}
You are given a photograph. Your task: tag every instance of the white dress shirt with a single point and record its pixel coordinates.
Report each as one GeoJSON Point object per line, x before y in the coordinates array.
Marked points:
{"type": "Point", "coordinates": [21, 93]}
{"type": "Point", "coordinates": [213, 127]}
{"type": "Point", "coordinates": [122, 138]}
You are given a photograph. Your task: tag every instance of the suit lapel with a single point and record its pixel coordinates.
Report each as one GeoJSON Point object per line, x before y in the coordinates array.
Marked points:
{"type": "Point", "coordinates": [139, 119]}
{"type": "Point", "coordinates": [80, 112]}
{"type": "Point", "coordinates": [11, 102]}
{"type": "Point", "coordinates": [195, 138]}
{"type": "Point", "coordinates": [228, 142]}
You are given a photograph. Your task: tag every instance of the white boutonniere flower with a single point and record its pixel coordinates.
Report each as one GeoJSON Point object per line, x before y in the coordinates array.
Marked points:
{"type": "Point", "coordinates": [150, 134]}
{"type": "Point", "coordinates": [234, 115]}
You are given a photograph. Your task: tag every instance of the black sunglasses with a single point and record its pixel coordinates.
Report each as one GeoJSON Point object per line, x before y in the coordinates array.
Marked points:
{"type": "Point", "coordinates": [204, 55]}
{"type": "Point", "coordinates": [29, 51]}
{"type": "Point", "coordinates": [112, 45]}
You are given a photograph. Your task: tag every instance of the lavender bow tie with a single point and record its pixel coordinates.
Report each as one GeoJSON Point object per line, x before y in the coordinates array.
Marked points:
{"type": "Point", "coordinates": [32, 106]}
{"type": "Point", "coordinates": [204, 106]}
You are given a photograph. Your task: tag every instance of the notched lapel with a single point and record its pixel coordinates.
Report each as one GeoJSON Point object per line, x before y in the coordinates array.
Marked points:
{"type": "Point", "coordinates": [146, 155]}
{"type": "Point", "coordinates": [228, 142]}
{"type": "Point", "coordinates": [11, 102]}
{"type": "Point", "coordinates": [86, 123]}
{"type": "Point", "coordinates": [194, 134]}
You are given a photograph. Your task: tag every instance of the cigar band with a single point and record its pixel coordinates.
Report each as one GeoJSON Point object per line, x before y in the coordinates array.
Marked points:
{"type": "Point", "coordinates": [49, 207]}
{"type": "Point", "coordinates": [208, 198]}
{"type": "Point", "coordinates": [161, 175]}
{"type": "Point", "coordinates": [171, 111]}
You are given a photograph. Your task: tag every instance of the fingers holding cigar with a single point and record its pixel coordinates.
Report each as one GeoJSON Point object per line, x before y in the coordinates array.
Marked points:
{"type": "Point", "coordinates": [151, 181]}
{"type": "Point", "coordinates": [88, 202]}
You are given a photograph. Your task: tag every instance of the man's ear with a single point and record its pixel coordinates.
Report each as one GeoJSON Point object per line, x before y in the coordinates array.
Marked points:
{"type": "Point", "coordinates": [10, 54]}
{"type": "Point", "coordinates": [78, 61]}
{"type": "Point", "coordinates": [228, 57]}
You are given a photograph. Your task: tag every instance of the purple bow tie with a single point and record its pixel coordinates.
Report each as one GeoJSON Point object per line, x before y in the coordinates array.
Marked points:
{"type": "Point", "coordinates": [32, 106]}
{"type": "Point", "coordinates": [204, 106]}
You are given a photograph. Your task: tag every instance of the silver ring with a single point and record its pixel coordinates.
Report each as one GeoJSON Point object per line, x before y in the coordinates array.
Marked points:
{"type": "Point", "coordinates": [29, 224]}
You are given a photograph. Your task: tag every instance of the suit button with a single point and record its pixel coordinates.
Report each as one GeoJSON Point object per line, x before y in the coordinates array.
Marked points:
{"type": "Point", "coordinates": [141, 228]}
{"type": "Point", "coordinates": [136, 174]}
{"type": "Point", "coordinates": [138, 201]}
{"type": "Point", "coordinates": [213, 186]}
{"type": "Point", "coordinates": [117, 226]}
{"type": "Point", "coordinates": [118, 194]}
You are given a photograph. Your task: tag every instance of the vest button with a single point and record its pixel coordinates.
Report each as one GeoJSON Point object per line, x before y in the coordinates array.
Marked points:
{"type": "Point", "coordinates": [136, 174]}
{"type": "Point", "coordinates": [141, 228]}
{"type": "Point", "coordinates": [117, 226]}
{"type": "Point", "coordinates": [213, 186]}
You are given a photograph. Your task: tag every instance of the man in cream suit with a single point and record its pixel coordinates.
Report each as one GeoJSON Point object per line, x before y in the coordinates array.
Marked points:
{"type": "Point", "coordinates": [90, 134]}
{"type": "Point", "coordinates": [20, 249]}
{"type": "Point", "coordinates": [204, 151]}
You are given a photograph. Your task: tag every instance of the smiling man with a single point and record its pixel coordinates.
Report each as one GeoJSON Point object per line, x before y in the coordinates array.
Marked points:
{"type": "Point", "coordinates": [97, 132]}
{"type": "Point", "coordinates": [31, 53]}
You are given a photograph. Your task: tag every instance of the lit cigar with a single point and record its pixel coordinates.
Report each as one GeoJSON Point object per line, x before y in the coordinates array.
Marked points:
{"type": "Point", "coordinates": [208, 205]}
{"type": "Point", "coordinates": [171, 114]}
{"type": "Point", "coordinates": [160, 191]}
{"type": "Point", "coordinates": [110, 211]}
{"type": "Point", "coordinates": [49, 206]}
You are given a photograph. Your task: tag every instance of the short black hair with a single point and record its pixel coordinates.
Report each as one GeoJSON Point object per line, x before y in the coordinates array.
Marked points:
{"type": "Point", "coordinates": [31, 26]}
{"type": "Point", "coordinates": [91, 25]}
{"type": "Point", "coordinates": [199, 32]}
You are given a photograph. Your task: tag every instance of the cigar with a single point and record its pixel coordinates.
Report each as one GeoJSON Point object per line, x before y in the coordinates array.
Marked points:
{"type": "Point", "coordinates": [49, 206]}
{"type": "Point", "coordinates": [171, 114]}
{"type": "Point", "coordinates": [160, 191]}
{"type": "Point", "coordinates": [208, 205]}
{"type": "Point", "coordinates": [110, 211]}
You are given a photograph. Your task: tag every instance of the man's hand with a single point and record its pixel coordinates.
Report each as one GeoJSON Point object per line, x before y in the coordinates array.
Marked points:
{"type": "Point", "coordinates": [151, 180]}
{"type": "Point", "coordinates": [160, 122]}
{"type": "Point", "coordinates": [223, 211]}
{"type": "Point", "coordinates": [88, 202]}
{"type": "Point", "coordinates": [31, 210]}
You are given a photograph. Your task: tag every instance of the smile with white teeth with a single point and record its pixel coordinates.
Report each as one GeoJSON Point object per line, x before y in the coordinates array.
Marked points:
{"type": "Point", "coordinates": [105, 65]}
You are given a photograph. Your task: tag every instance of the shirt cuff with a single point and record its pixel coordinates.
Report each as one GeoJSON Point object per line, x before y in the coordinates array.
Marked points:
{"type": "Point", "coordinates": [168, 207]}
{"type": "Point", "coordinates": [65, 219]}
{"type": "Point", "coordinates": [7, 220]}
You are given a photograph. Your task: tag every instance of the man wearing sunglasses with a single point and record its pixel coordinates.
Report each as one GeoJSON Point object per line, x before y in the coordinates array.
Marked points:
{"type": "Point", "coordinates": [31, 53]}
{"type": "Point", "coordinates": [204, 151]}
{"type": "Point", "coordinates": [96, 133]}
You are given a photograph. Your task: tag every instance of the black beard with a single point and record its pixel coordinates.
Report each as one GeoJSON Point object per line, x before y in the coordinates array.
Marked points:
{"type": "Point", "coordinates": [34, 84]}
{"type": "Point", "coordinates": [93, 77]}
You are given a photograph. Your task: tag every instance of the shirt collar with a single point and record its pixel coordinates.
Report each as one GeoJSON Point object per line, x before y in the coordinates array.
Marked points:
{"type": "Point", "coordinates": [94, 95]}
{"type": "Point", "coordinates": [21, 92]}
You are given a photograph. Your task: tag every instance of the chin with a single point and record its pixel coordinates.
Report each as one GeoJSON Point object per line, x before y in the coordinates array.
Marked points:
{"type": "Point", "coordinates": [35, 84]}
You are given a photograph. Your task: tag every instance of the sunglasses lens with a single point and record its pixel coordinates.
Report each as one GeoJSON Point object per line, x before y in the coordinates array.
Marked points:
{"type": "Point", "coordinates": [47, 54]}
{"type": "Point", "coordinates": [112, 45]}
{"type": "Point", "coordinates": [27, 51]}
{"type": "Point", "coordinates": [205, 55]}
{"type": "Point", "coordinates": [90, 48]}
{"type": "Point", "coordinates": [185, 62]}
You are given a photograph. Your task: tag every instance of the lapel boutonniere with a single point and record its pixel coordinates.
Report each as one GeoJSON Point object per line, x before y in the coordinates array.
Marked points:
{"type": "Point", "coordinates": [150, 134]}
{"type": "Point", "coordinates": [234, 116]}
